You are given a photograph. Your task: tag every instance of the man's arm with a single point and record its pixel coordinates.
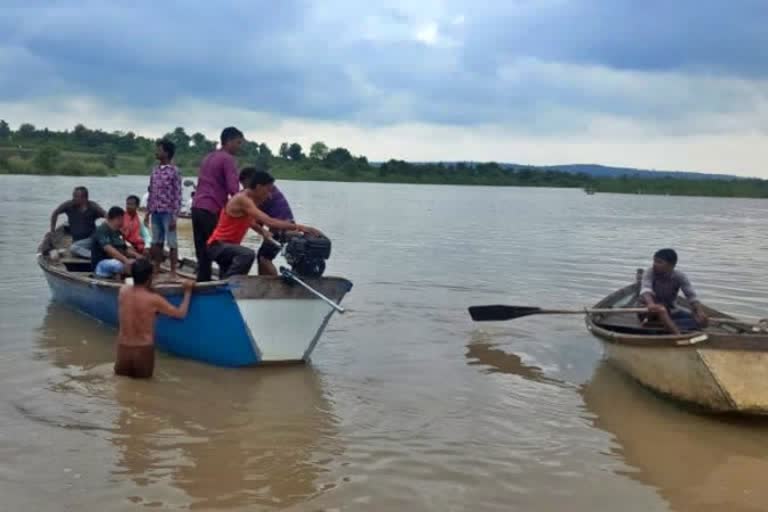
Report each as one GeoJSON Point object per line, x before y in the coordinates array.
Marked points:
{"type": "Point", "coordinates": [231, 176]}
{"type": "Point", "coordinates": [114, 253]}
{"type": "Point", "coordinates": [265, 234]}
{"type": "Point", "coordinates": [166, 308]}
{"type": "Point", "coordinates": [693, 298]}
{"type": "Point", "coordinates": [646, 289]}
{"type": "Point", "coordinates": [132, 253]}
{"type": "Point", "coordinates": [262, 218]}
{"type": "Point", "coordinates": [687, 289]}
{"type": "Point", "coordinates": [58, 211]}
{"type": "Point", "coordinates": [99, 210]}
{"type": "Point", "coordinates": [177, 194]}
{"type": "Point", "coordinates": [134, 238]}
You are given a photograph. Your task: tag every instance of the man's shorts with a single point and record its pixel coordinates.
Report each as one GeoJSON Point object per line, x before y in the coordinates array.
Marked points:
{"type": "Point", "coordinates": [109, 268]}
{"type": "Point", "coordinates": [161, 230]}
{"type": "Point", "coordinates": [137, 362]}
{"type": "Point", "coordinates": [268, 250]}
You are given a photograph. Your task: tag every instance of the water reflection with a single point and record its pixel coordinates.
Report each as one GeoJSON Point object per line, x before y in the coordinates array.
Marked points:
{"type": "Point", "coordinates": [483, 352]}
{"type": "Point", "coordinates": [226, 438]}
{"type": "Point", "coordinates": [695, 462]}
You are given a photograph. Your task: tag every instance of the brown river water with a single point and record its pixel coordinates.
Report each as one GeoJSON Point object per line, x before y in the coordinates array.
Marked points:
{"type": "Point", "coordinates": [407, 405]}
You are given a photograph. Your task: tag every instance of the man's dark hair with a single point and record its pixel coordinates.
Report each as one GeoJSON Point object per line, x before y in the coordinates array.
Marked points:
{"type": "Point", "coordinates": [668, 255]}
{"type": "Point", "coordinates": [168, 146]}
{"type": "Point", "coordinates": [245, 174]}
{"type": "Point", "coordinates": [81, 189]}
{"type": "Point", "coordinates": [133, 198]}
{"type": "Point", "coordinates": [115, 212]}
{"type": "Point", "coordinates": [260, 178]}
{"type": "Point", "coordinates": [230, 133]}
{"type": "Point", "coordinates": [141, 271]}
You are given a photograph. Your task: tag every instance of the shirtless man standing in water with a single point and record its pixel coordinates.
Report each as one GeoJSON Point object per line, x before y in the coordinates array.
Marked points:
{"type": "Point", "coordinates": [138, 306]}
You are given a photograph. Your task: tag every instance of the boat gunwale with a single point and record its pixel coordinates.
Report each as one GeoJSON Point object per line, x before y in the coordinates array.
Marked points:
{"type": "Point", "coordinates": [168, 288]}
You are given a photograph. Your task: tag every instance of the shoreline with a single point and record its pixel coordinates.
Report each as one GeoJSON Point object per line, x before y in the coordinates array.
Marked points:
{"type": "Point", "coordinates": [595, 186]}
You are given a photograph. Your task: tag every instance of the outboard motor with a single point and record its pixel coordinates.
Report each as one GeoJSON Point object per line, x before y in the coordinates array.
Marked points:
{"type": "Point", "coordinates": [306, 254]}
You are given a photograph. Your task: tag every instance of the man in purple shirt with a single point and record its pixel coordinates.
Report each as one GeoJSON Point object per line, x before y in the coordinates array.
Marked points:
{"type": "Point", "coordinates": [163, 205]}
{"type": "Point", "coordinates": [216, 181]}
{"type": "Point", "coordinates": [276, 207]}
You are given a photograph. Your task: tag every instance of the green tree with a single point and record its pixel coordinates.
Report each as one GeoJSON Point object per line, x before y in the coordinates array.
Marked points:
{"type": "Point", "coordinates": [5, 130]}
{"type": "Point", "coordinates": [264, 151]}
{"type": "Point", "coordinates": [318, 151]}
{"type": "Point", "coordinates": [350, 168]}
{"type": "Point", "coordinates": [27, 130]}
{"type": "Point", "coordinates": [45, 159]}
{"type": "Point", "coordinates": [81, 134]}
{"type": "Point", "coordinates": [295, 152]}
{"type": "Point", "coordinates": [250, 149]}
{"type": "Point", "coordinates": [110, 157]}
{"type": "Point", "coordinates": [284, 151]}
{"type": "Point", "coordinates": [126, 142]}
{"type": "Point", "coordinates": [337, 157]}
{"type": "Point", "coordinates": [180, 138]}
{"type": "Point", "coordinates": [202, 144]}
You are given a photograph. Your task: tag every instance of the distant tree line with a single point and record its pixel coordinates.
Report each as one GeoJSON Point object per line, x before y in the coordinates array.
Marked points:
{"type": "Point", "coordinates": [84, 151]}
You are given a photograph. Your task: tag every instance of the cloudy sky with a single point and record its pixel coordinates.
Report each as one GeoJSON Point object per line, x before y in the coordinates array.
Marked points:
{"type": "Point", "coordinates": [665, 84]}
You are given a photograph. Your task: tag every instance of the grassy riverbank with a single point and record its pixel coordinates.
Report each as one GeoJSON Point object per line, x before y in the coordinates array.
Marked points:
{"type": "Point", "coordinates": [85, 152]}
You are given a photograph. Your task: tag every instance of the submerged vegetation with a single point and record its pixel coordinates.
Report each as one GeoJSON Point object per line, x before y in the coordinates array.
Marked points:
{"type": "Point", "coordinates": [86, 152]}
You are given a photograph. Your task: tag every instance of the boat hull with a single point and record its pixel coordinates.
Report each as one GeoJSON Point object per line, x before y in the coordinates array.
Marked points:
{"type": "Point", "coordinates": [256, 321]}
{"type": "Point", "coordinates": [717, 380]}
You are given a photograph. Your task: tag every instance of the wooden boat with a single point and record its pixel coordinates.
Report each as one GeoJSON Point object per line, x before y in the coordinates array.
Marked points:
{"type": "Point", "coordinates": [723, 368]}
{"type": "Point", "coordinates": [241, 322]}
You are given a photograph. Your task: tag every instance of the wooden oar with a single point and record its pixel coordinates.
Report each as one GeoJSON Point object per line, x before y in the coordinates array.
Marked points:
{"type": "Point", "coordinates": [499, 312]}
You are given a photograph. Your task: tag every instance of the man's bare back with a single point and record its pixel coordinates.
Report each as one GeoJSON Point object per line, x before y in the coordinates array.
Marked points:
{"type": "Point", "coordinates": [138, 307]}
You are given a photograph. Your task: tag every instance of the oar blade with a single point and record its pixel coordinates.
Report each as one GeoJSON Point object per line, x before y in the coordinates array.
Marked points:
{"type": "Point", "coordinates": [497, 313]}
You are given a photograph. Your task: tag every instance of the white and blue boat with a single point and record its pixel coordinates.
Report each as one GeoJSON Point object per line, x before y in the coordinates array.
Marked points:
{"type": "Point", "coordinates": [244, 322]}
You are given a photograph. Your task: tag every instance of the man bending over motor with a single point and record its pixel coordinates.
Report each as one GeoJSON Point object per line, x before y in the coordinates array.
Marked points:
{"type": "Point", "coordinates": [277, 207]}
{"type": "Point", "coordinates": [240, 214]}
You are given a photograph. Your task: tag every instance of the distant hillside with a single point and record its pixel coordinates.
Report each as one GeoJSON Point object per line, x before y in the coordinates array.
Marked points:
{"type": "Point", "coordinates": [603, 171]}
{"type": "Point", "coordinates": [598, 171]}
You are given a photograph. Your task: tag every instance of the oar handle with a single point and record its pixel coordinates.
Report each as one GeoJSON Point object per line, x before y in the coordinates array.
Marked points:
{"type": "Point", "coordinates": [594, 311]}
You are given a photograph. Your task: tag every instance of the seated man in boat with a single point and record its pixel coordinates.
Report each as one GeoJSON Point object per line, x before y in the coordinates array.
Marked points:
{"type": "Point", "coordinates": [138, 307]}
{"type": "Point", "coordinates": [659, 289]}
{"type": "Point", "coordinates": [240, 214]}
{"type": "Point", "coordinates": [277, 207]}
{"type": "Point", "coordinates": [110, 255]}
{"type": "Point", "coordinates": [132, 224]}
{"type": "Point", "coordinates": [81, 215]}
